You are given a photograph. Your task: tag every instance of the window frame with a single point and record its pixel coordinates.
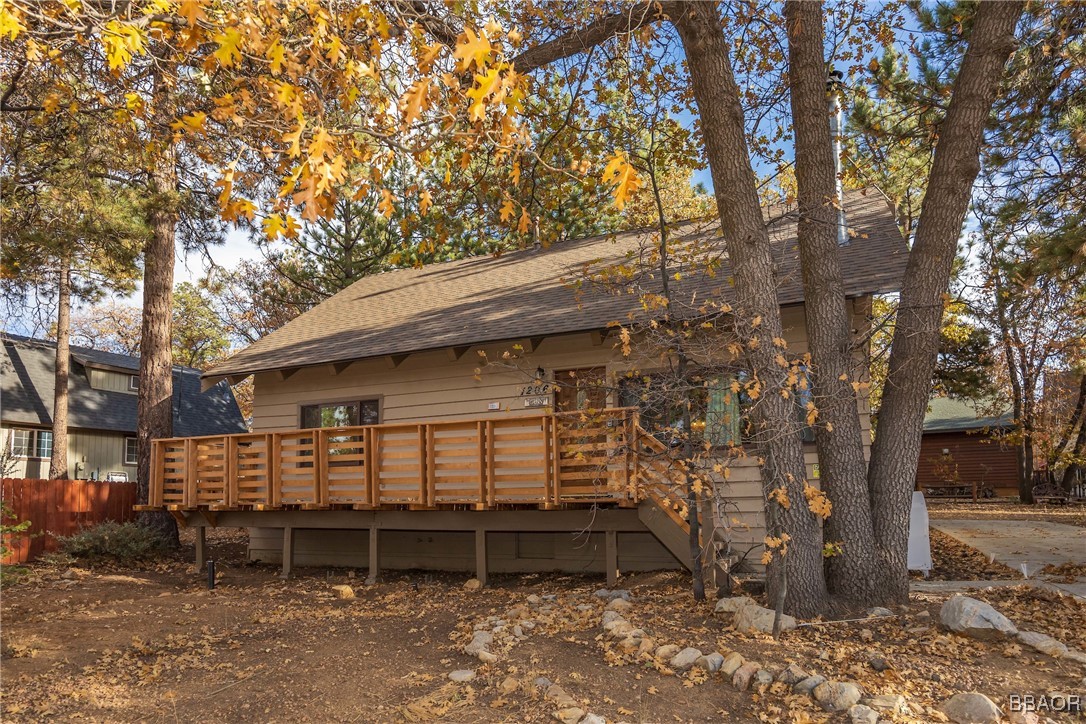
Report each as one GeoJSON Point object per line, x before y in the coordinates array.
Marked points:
{"type": "Point", "coordinates": [37, 444]}
{"type": "Point", "coordinates": [27, 447]}
{"type": "Point", "coordinates": [133, 383]}
{"type": "Point", "coordinates": [360, 401]}
{"type": "Point", "coordinates": [135, 461]}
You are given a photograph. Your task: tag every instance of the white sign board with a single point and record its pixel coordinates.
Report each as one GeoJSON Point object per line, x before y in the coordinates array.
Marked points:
{"type": "Point", "coordinates": [919, 542]}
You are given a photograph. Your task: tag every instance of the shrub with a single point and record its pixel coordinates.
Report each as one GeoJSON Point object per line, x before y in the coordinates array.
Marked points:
{"type": "Point", "coordinates": [110, 541]}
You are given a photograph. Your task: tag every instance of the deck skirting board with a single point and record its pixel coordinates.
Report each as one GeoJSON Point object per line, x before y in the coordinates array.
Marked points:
{"type": "Point", "coordinates": [506, 552]}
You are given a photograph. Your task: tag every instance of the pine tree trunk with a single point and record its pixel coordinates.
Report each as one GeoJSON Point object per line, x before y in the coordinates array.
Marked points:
{"type": "Point", "coordinates": [757, 310]}
{"type": "Point", "coordinates": [155, 400]}
{"type": "Point", "coordinates": [58, 463]}
{"type": "Point", "coordinates": [896, 451]}
{"type": "Point", "coordinates": [838, 434]}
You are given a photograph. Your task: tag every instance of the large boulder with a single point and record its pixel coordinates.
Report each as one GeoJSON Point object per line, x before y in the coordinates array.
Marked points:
{"type": "Point", "coordinates": [837, 695]}
{"type": "Point", "coordinates": [755, 618]}
{"type": "Point", "coordinates": [975, 618]}
{"type": "Point", "coordinates": [971, 708]}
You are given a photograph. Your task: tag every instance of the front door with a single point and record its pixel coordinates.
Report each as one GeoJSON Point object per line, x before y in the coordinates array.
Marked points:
{"type": "Point", "coordinates": [580, 389]}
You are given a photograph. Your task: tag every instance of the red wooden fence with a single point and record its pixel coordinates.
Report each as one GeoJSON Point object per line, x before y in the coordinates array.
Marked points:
{"type": "Point", "coordinates": [60, 507]}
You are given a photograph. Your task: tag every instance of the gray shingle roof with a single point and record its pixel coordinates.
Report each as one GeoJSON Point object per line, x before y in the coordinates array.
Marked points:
{"type": "Point", "coordinates": [26, 392]}
{"type": "Point", "coordinates": [527, 293]}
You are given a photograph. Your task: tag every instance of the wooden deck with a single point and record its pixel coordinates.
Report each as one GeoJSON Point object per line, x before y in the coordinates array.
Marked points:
{"type": "Point", "coordinates": [542, 460]}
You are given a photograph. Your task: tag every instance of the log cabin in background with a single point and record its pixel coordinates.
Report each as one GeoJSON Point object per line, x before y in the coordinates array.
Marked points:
{"type": "Point", "coordinates": [961, 455]}
{"type": "Point", "coordinates": [378, 439]}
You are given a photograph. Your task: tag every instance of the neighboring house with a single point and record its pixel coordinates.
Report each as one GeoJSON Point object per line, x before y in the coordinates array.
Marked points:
{"type": "Point", "coordinates": [959, 452]}
{"type": "Point", "coordinates": [463, 464]}
{"type": "Point", "coordinates": [102, 389]}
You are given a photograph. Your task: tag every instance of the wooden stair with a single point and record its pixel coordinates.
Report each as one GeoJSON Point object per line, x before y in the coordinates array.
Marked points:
{"type": "Point", "coordinates": [664, 506]}
{"type": "Point", "coordinates": [659, 518]}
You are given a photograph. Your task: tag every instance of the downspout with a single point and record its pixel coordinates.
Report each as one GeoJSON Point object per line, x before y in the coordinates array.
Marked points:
{"type": "Point", "coordinates": [834, 84]}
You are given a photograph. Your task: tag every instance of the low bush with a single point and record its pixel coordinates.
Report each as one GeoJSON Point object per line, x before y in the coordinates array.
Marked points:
{"type": "Point", "coordinates": [110, 541]}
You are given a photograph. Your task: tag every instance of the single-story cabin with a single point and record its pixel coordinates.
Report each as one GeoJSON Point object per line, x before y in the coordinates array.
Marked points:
{"type": "Point", "coordinates": [428, 417]}
{"type": "Point", "coordinates": [961, 454]}
{"type": "Point", "coordinates": [102, 389]}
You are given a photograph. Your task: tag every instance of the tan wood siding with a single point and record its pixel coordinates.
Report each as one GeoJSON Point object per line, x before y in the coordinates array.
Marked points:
{"type": "Point", "coordinates": [106, 380]}
{"type": "Point", "coordinates": [91, 453]}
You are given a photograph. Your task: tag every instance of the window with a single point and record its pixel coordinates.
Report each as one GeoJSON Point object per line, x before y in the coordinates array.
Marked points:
{"type": "Point", "coordinates": [133, 382]}
{"type": "Point", "coordinates": [718, 407]}
{"type": "Point", "coordinates": [715, 407]}
{"type": "Point", "coordinates": [43, 444]}
{"type": "Point", "coordinates": [340, 414]}
{"type": "Point", "coordinates": [32, 443]}
{"type": "Point", "coordinates": [20, 442]}
{"type": "Point", "coordinates": [131, 451]}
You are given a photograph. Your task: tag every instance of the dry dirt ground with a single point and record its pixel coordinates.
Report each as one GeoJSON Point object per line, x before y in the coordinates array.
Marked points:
{"type": "Point", "coordinates": [153, 644]}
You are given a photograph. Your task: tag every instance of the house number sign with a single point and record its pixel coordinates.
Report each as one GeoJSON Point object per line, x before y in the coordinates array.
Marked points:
{"type": "Point", "coordinates": [538, 395]}
{"type": "Point", "coordinates": [543, 388]}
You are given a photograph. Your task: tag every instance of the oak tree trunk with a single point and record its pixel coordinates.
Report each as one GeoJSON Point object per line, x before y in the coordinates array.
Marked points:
{"type": "Point", "coordinates": [838, 434]}
{"type": "Point", "coordinates": [757, 310]}
{"type": "Point", "coordinates": [58, 463]}
{"type": "Point", "coordinates": [896, 450]}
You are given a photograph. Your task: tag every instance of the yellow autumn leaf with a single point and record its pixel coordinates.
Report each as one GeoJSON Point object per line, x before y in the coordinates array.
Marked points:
{"type": "Point", "coordinates": [11, 21]}
{"type": "Point", "coordinates": [415, 101]}
{"type": "Point", "coordinates": [525, 221]}
{"type": "Point", "coordinates": [472, 48]}
{"type": "Point", "coordinates": [228, 52]}
{"type": "Point", "coordinates": [191, 10]}
{"type": "Point", "coordinates": [276, 55]}
{"type": "Point", "coordinates": [192, 122]}
{"type": "Point", "coordinates": [385, 207]}
{"type": "Point", "coordinates": [280, 225]}
{"type": "Point", "coordinates": [425, 202]}
{"type": "Point", "coordinates": [121, 41]}
{"type": "Point", "coordinates": [507, 210]}
{"type": "Point", "coordinates": [620, 174]}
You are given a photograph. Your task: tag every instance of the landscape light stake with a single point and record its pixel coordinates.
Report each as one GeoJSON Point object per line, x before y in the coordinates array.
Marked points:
{"type": "Point", "coordinates": [211, 575]}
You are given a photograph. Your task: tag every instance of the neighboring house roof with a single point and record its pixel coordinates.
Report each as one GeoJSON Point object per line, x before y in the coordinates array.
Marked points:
{"type": "Point", "coordinates": [529, 293]}
{"type": "Point", "coordinates": [946, 414]}
{"type": "Point", "coordinates": [27, 369]}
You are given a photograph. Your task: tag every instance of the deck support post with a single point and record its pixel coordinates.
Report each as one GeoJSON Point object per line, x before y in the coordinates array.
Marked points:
{"type": "Point", "coordinates": [288, 551]}
{"type": "Point", "coordinates": [480, 555]}
{"type": "Point", "coordinates": [375, 539]}
{"type": "Point", "coordinates": [201, 547]}
{"type": "Point", "coordinates": [611, 537]}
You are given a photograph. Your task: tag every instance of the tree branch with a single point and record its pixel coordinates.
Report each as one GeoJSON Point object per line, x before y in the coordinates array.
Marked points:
{"type": "Point", "coordinates": [580, 40]}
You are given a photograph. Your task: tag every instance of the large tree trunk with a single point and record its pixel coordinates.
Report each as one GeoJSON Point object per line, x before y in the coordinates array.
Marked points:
{"type": "Point", "coordinates": [838, 434]}
{"type": "Point", "coordinates": [155, 402]}
{"type": "Point", "coordinates": [757, 310]}
{"type": "Point", "coordinates": [896, 451]}
{"type": "Point", "coordinates": [58, 463]}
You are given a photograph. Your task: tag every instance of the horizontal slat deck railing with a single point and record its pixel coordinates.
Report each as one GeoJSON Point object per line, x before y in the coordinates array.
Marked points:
{"type": "Point", "coordinates": [538, 460]}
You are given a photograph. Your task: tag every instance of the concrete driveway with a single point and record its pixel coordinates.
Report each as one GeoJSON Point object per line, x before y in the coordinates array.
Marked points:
{"type": "Point", "coordinates": [1026, 546]}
